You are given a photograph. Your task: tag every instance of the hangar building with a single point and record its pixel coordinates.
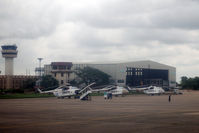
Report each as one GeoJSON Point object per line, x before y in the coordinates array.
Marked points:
{"type": "Point", "coordinates": [137, 73]}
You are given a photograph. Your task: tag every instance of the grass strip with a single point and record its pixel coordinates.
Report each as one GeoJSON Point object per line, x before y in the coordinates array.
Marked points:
{"type": "Point", "coordinates": [24, 95]}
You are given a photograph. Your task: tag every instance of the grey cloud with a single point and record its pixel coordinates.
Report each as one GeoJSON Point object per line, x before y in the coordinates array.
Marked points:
{"type": "Point", "coordinates": [101, 30]}
{"type": "Point", "coordinates": [166, 36]}
{"type": "Point", "coordinates": [185, 17]}
{"type": "Point", "coordinates": [29, 19]}
{"type": "Point", "coordinates": [92, 41]}
{"type": "Point", "coordinates": [143, 14]}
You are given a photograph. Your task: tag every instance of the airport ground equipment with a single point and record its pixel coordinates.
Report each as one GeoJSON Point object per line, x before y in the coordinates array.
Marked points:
{"type": "Point", "coordinates": [85, 92]}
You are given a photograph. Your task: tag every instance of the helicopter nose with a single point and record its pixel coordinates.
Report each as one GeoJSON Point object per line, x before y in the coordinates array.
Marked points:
{"type": "Point", "coordinates": [125, 91]}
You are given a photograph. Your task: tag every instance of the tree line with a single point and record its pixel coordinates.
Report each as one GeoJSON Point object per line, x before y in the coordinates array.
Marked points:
{"type": "Point", "coordinates": [190, 83]}
{"type": "Point", "coordinates": [84, 76]}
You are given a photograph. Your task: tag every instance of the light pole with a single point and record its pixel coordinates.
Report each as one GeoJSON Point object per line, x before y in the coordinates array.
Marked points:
{"type": "Point", "coordinates": [149, 73]}
{"type": "Point", "coordinates": [40, 59]}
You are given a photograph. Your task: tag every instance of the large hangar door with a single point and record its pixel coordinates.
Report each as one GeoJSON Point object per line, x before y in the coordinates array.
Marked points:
{"type": "Point", "coordinates": [146, 76]}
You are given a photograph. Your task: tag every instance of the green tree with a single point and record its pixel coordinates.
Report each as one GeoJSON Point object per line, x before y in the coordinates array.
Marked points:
{"type": "Point", "coordinates": [190, 83]}
{"type": "Point", "coordinates": [88, 75]}
{"type": "Point", "coordinates": [29, 84]}
{"type": "Point", "coordinates": [48, 81]}
{"type": "Point", "coordinates": [184, 82]}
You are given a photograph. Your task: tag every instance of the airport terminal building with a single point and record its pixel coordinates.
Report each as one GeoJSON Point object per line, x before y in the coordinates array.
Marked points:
{"type": "Point", "coordinates": [133, 74]}
{"type": "Point", "coordinates": [61, 71]}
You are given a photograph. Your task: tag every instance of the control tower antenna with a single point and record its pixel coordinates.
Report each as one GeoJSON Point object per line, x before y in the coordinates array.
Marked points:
{"type": "Point", "coordinates": [9, 52]}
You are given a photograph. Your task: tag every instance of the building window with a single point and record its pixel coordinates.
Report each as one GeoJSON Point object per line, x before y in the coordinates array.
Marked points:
{"type": "Point", "coordinates": [55, 74]}
{"type": "Point", "coordinates": [62, 74]}
{"type": "Point", "coordinates": [62, 82]}
{"type": "Point", "coordinates": [62, 67]}
{"type": "Point", "coordinates": [120, 81]}
{"type": "Point", "coordinates": [68, 75]}
{"type": "Point", "coordinates": [54, 67]}
{"type": "Point", "coordinates": [136, 73]}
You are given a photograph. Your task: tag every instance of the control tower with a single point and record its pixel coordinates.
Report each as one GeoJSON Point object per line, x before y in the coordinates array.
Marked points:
{"type": "Point", "coordinates": [9, 52]}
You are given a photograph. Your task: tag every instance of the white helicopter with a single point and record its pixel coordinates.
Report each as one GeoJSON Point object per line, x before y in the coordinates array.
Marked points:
{"type": "Point", "coordinates": [151, 90]}
{"type": "Point", "coordinates": [112, 90]}
{"type": "Point", "coordinates": [154, 90]}
{"type": "Point", "coordinates": [138, 88]}
{"type": "Point", "coordinates": [67, 91]}
{"type": "Point", "coordinates": [62, 91]}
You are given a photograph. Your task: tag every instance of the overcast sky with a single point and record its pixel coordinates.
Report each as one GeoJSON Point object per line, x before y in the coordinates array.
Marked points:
{"type": "Point", "coordinates": [166, 31]}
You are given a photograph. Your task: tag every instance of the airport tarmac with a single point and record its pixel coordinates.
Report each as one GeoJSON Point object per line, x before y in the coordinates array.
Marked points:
{"type": "Point", "coordinates": [133, 113]}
